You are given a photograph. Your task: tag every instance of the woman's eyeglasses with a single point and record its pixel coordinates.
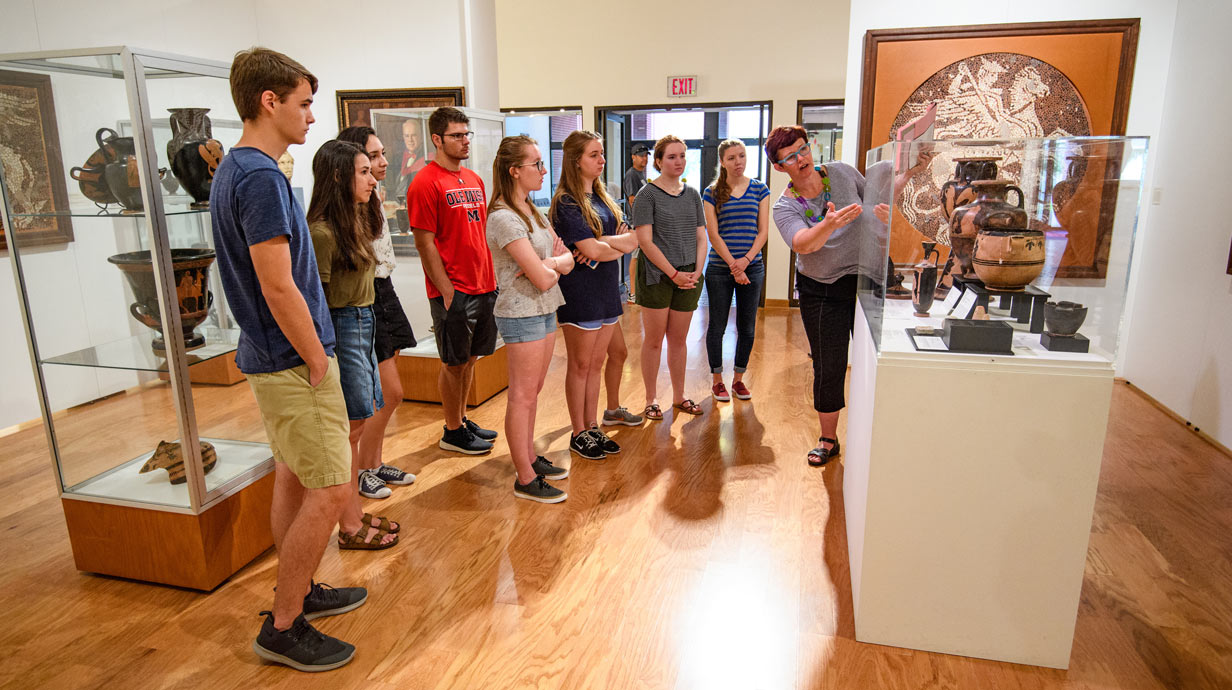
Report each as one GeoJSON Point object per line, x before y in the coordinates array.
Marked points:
{"type": "Point", "coordinates": [537, 164]}
{"type": "Point", "coordinates": [790, 159]}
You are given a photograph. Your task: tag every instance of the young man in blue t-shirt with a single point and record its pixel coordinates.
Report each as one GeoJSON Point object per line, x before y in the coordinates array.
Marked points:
{"type": "Point", "coordinates": [286, 346]}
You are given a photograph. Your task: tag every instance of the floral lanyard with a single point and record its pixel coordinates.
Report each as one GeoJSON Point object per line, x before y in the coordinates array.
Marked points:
{"type": "Point", "coordinates": [825, 185]}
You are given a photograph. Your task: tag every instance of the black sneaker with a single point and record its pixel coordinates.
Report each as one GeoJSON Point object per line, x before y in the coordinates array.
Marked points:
{"type": "Point", "coordinates": [608, 445]}
{"type": "Point", "coordinates": [392, 475]}
{"type": "Point", "coordinates": [544, 468]}
{"type": "Point", "coordinates": [371, 486]}
{"type": "Point", "coordinates": [538, 490]}
{"type": "Point", "coordinates": [461, 440]}
{"type": "Point", "coordinates": [587, 446]}
{"type": "Point", "coordinates": [485, 434]}
{"type": "Point", "coordinates": [323, 600]}
{"type": "Point", "coordinates": [302, 647]}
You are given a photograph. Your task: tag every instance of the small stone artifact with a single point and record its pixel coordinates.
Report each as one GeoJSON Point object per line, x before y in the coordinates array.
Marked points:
{"type": "Point", "coordinates": [1063, 318]}
{"type": "Point", "coordinates": [192, 277]}
{"type": "Point", "coordinates": [170, 457]}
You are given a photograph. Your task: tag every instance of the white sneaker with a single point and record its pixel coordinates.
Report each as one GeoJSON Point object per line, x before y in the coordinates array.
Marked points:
{"type": "Point", "coordinates": [371, 486]}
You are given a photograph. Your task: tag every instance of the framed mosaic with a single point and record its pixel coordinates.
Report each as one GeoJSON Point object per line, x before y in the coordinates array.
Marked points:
{"type": "Point", "coordinates": [30, 155]}
{"type": "Point", "coordinates": [996, 81]}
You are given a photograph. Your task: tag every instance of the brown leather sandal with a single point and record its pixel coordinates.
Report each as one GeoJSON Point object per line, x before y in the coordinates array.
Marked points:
{"type": "Point", "coordinates": [383, 524]}
{"type": "Point", "coordinates": [359, 542]}
{"type": "Point", "coordinates": [688, 407]}
{"type": "Point", "coordinates": [653, 412]}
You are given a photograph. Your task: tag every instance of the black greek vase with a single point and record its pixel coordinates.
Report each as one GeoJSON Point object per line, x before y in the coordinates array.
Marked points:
{"type": "Point", "coordinates": [957, 191]}
{"type": "Point", "coordinates": [193, 152]}
{"type": "Point", "coordinates": [1064, 318]}
{"type": "Point", "coordinates": [191, 268]}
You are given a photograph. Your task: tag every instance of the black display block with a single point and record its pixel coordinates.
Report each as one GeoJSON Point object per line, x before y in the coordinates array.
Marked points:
{"type": "Point", "coordinates": [1026, 306]}
{"type": "Point", "coordinates": [978, 336]}
{"type": "Point", "coordinates": [1065, 343]}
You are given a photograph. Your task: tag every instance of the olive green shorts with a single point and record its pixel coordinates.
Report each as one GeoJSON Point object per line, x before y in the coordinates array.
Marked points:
{"type": "Point", "coordinates": [665, 293]}
{"type": "Point", "coordinates": [307, 427]}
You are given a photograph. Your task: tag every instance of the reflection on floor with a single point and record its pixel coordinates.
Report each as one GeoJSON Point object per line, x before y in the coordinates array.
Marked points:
{"type": "Point", "coordinates": [706, 555]}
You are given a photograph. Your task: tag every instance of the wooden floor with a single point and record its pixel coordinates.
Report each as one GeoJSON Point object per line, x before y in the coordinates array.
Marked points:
{"type": "Point", "coordinates": [705, 556]}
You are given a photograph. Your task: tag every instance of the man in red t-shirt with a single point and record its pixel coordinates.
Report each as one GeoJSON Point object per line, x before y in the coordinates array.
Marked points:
{"type": "Point", "coordinates": [447, 209]}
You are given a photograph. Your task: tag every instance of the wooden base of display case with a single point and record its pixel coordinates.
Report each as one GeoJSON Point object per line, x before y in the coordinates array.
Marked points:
{"type": "Point", "coordinates": [193, 551]}
{"type": "Point", "coordinates": [419, 377]}
{"type": "Point", "coordinates": [220, 371]}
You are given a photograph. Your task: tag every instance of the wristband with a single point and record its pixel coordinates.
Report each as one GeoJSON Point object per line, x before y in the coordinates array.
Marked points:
{"type": "Point", "coordinates": [674, 275]}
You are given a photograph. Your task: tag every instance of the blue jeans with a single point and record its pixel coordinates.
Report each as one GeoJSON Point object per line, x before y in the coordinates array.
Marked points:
{"type": "Point", "coordinates": [355, 331]}
{"type": "Point", "coordinates": [719, 288]}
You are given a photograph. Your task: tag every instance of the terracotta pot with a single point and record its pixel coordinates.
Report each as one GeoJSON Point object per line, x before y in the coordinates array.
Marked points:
{"type": "Point", "coordinates": [192, 276]}
{"type": "Point", "coordinates": [1008, 259]}
{"type": "Point", "coordinates": [193, 152]}
{"type": "Point", "coordinates": [91, 177]}
{"type": "Point", "coordinates": [957, 191]}
{"type": "Point", "coordinates": [989, 210]}
{"type": "Point", "coordinates": [1063, 318]}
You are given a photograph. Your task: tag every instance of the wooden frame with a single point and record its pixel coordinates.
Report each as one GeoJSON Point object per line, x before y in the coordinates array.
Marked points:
{"type": "Point", "coordinates": [353, 105]}
{"type": "Point", "coordinates": [1097, 57]}
{"type": "Point", "coordinates": [46, 191]}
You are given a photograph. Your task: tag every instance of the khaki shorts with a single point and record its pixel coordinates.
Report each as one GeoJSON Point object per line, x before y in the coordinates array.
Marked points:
{"type": "Point", "coordinates": [307, 427]}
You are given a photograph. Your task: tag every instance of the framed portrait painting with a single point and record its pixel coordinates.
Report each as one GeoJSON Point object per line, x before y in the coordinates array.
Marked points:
{"type": "Point", "coordinates": [30, 156]}
{"type": "Point", "coordinates": [354, 105]}
{"type": "Point", "coordinates": [1002, 81]}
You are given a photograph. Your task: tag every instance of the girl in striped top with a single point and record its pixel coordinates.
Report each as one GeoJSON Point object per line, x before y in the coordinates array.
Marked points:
{"type": "Point", "coordinates": [737, 211]}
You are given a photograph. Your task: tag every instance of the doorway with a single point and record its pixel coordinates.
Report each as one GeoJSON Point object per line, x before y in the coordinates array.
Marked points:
{"type": "Point", "coordinates": [702, 126]}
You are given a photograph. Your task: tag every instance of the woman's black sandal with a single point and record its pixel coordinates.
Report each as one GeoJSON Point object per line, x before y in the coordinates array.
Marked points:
{"type": "Point", "coordinates": [819, 456]}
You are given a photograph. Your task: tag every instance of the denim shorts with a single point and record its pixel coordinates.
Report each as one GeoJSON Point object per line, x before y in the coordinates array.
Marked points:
{"type": "Point", "coordinates": [526, 329]}
{"type": "Point", "coordinates": [355, 330]}
{"type": "Point", "coordinates": [593, 325]}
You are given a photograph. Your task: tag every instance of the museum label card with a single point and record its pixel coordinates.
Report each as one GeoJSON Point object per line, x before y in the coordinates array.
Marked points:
{"type": "Point", "coordinates": [966, 304]}
{"type": "Point", "coordinates": [930, 342]}
{"type": "Point", "coordinates": [951, 299]}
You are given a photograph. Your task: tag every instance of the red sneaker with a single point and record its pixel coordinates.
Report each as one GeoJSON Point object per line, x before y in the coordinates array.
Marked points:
{"type": "Point", "coordinates": [741, 390]}
{"type": "Point", "coordinates": [720, 392]}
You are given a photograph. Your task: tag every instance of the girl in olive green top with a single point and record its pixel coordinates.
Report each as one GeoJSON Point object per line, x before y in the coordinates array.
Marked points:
{"type": "Point", "coordinates": [342, 240]}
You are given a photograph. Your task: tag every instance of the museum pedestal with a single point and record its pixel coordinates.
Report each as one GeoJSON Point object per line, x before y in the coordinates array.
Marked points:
{"type": "Point", "coordinates": [969, 483]}
{"type": "Point", "coordinates": [194, 551]}
{"type": "Point", "coordinates": [419, 367]}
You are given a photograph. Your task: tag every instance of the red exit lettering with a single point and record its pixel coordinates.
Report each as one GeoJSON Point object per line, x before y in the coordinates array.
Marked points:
{"type": "Point", "coordinates": [682, 86]}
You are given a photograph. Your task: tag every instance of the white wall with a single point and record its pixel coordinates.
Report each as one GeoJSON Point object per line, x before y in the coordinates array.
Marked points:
{"type": "Point", "coordinates": [345, 47]}
{"type": "Point", "coordinates": [1177, 348]}
{"type": "Point", "coordinates": [555, 53]}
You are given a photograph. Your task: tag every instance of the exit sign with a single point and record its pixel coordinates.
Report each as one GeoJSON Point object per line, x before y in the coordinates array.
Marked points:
{"type": "Point", "coordinates": [680, 87]}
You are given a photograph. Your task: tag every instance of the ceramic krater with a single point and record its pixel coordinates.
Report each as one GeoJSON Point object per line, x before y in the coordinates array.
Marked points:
{"type": "Point", "coordinates": [191, 269]}
{"type": "Point", "coordinates": [1008, 260]}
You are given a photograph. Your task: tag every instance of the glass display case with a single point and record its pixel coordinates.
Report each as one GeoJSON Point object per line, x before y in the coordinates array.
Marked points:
{"type": "Point", "coordinates": [408, 279]}
{"type": "Point", "coordinates": [1016, 248]}
{"type": "Point", "coordinates": [106, 157]}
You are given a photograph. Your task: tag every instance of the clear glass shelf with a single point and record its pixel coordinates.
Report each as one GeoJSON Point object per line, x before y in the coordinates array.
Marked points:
{"type": "Point", "coordinates": [127, 483]}
{"type": "Point", "coordinates": [171, 207]}
{"type": "Point", "coordinates": [137, 353]}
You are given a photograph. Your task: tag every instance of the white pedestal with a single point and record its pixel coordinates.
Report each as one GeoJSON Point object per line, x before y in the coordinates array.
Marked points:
{"type": "Point", "coordinates": [969, 483]}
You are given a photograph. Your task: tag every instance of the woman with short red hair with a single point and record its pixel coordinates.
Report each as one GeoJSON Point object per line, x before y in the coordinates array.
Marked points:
{"type": "Point", "coordinates": [819, 216]}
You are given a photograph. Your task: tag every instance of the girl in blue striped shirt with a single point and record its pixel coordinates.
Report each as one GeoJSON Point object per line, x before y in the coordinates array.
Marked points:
{"type": "Point", "coordinates": [737, 215]}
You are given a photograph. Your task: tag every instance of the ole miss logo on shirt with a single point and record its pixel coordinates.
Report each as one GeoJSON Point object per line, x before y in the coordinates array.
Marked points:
{"type": "Point", "coordinates": [470, 197]}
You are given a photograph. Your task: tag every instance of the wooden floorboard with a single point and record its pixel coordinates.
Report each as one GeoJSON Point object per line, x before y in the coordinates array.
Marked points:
{"type": "Point", "coordinates": [706, 555]}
